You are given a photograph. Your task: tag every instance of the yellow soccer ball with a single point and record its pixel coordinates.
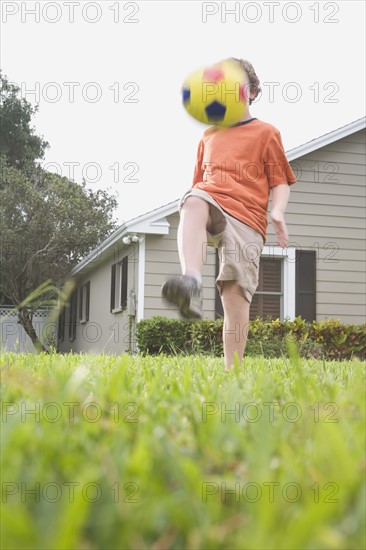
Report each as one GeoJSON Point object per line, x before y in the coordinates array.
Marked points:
{"type": "Point", "coordinates": [217, 95]}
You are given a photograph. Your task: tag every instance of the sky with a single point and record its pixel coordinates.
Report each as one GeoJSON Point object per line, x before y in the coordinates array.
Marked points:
{"type": "Point", "coordinates": [107, 77]}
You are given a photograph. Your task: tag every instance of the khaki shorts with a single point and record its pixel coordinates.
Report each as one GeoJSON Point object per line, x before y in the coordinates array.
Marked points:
{"type": "Point", "coordinates": [239, 246]}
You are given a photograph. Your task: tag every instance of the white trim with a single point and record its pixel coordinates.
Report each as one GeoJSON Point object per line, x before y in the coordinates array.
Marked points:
{"type": "Point", "coordinates": [154, 215]}
{"type": "Point", "coordinates": [289, 281]}
{"type": "Point", "coordinates": [153, 222]}
{"type": "Point", "coordinates": [141, 282]}
{"type": "Point", "coordinates": [158, 227]}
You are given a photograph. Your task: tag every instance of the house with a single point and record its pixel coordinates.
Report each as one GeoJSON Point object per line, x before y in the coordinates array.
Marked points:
{"type": "Point", "coordinates": [321, 275]}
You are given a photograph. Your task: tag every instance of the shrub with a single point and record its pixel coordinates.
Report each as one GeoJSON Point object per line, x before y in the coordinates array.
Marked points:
{"type": "Point", "coordinates": [330, 339]}
{"type": "Point", "coordinates": [206, 337]}
{"type": "Point", "coordinates": [339, 341]}
{"type": "Point", "coordinates": [162, 335]}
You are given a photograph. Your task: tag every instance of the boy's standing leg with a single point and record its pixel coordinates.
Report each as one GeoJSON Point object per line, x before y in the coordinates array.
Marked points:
{"type": "Point", "coordinates": [236, 322]}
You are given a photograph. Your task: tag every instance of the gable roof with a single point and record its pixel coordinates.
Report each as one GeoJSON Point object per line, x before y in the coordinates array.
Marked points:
{"type": "Point", "coordinates": [326, 139]}
{"type": "Point", "coordinates": [155, 221]}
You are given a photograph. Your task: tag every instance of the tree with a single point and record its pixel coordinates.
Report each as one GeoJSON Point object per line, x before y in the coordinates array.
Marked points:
{"type": "Point", "coordinates": [47, 225]}
{"type": "Point", "coordinates": [18, 141]}
{"type": "Point", "coordinates": [47, 222]}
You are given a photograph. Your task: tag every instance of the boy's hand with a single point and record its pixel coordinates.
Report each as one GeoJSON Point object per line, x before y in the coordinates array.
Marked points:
{"type": "Point", "coordinates": [280, 196]}
{"type": "Point", "coordinates": [279, 226]}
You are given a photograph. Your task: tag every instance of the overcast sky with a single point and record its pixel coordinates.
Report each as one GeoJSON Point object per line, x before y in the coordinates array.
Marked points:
{"type": "Point", "coordinates": [107, 78]}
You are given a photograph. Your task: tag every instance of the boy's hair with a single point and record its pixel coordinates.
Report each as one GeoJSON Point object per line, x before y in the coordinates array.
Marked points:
{"type": "Point", "coordinates": [253, 79]}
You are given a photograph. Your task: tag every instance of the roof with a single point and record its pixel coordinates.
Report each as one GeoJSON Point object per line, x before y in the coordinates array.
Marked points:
{"type": "Point", "coordinates": [155, 222]}
{"type": "Point", "coordinates": [326, 139]}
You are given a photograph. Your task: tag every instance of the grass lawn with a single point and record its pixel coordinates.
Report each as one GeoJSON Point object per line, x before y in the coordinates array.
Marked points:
{"type": "Point", "coordinates": [104, 452]}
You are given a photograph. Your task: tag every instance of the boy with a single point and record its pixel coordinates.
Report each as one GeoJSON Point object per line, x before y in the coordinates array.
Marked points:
{"type": "Point", "coordinates": [227, 208]}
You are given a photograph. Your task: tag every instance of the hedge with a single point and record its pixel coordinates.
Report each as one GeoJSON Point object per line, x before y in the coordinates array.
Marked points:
{"type": "Point", "coordinates": [329, 339]}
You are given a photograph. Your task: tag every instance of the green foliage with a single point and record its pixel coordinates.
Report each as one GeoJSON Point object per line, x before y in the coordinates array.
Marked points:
{"type": "Point", "coordinates": [206, 337]}
{"type": "Point", "coordinates": [47, 228]}
{"type": "Point", "coordinates": [138, 452]}
{"type": "Point", "coordinates": [339, 340]}
{"type": "Point", "coordinates": [329, 339]}
{"type": "Point", "coordinates": [162, 335]}
{"type": "Point", "coordinates": [18, 141]}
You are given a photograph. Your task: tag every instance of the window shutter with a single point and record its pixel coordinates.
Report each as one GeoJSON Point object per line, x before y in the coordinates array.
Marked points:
{"type": "Point", "coordinates": [306, 284]}
{"type": "Point", "coordinates": [87, 305]}
{"type": "Point", "coordinates": [72, 316]}
{"type": "Point", "coordinates": [81, 303]}
{"type": "Point", "coordinates": [124, 282]}
{"type": "Point", "coordinates": [61, 325]}
{"type": "Point", "coordinates": [113, 286]}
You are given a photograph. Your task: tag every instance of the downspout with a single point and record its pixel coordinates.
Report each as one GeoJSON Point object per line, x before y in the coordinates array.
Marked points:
{"type": "Point", "coordinates": [139, 295]}
{"type": "Point", "coordinates": [141, 282]}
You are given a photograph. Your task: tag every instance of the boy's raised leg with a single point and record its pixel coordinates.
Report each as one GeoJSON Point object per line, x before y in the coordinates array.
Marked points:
{"type": "Point", "coordinates": [186, 291]}
{"type": "Point", "coordinates": [192, 236]}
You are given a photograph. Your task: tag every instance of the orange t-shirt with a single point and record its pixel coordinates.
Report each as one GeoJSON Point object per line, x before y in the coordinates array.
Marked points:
{"type": "Point", "coordinates": [239, 165]}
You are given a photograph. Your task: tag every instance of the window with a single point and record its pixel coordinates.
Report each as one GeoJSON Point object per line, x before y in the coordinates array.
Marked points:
{"type": "Point", "coordinates": [119, 274]}
{"type": "Point", "coordinates": [72, 316]}
{"type": "Point", "coordinates": [84, 302]}
{"type": "Point", "coordinates": [268, 298]}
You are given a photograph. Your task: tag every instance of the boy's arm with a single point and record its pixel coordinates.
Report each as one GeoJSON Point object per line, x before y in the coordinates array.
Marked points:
{"type": "Point", "coordinates": [280, 196]}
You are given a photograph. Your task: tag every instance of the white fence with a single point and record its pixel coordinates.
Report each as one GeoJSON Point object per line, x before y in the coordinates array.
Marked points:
{"type": "Point", "coordinates": [13, 336]}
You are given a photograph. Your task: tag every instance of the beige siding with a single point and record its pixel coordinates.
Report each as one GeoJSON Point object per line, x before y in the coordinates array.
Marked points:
{"type": "Point", "coordinates": [106, 332]}
{"type": "Point", "coordinates": [162, 261]}
{"type": "Point", "coordinates": [326, 212]}
{"type": "Point", "coordinates": [358, 278]}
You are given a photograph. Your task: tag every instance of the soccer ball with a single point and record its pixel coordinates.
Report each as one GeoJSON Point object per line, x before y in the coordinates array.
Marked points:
{"type": "Point", "coordinates": [217, 94]}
